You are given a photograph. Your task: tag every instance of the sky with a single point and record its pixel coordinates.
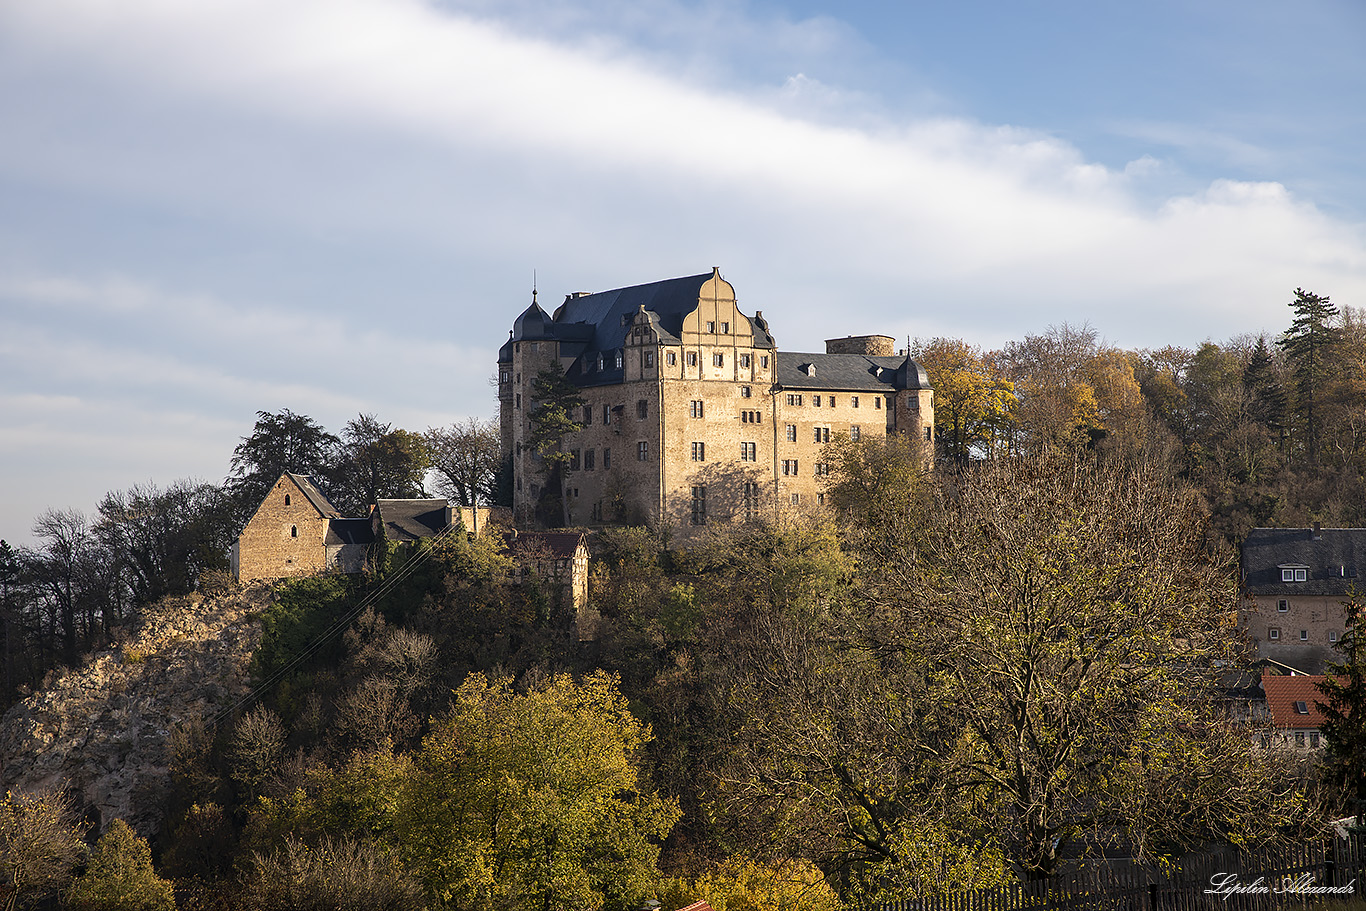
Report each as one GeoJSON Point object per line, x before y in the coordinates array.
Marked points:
{"type": "Point", "coordinates": [338, 207]}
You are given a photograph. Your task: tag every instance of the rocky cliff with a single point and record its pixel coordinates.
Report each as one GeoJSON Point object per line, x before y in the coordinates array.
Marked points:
{"type": "Point", "coordinates": [103, 731]}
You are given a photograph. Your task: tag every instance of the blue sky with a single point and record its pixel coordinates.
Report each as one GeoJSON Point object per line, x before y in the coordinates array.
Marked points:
{"type": "Point", "coordinates": [336, 206]}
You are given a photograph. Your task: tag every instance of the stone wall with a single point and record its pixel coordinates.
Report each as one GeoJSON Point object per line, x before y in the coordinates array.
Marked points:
{"type": "Point", "coordinates": [285, 538]}
{"type": "Point", "coordinates": [871, 345]}
{"type": "Point", "coordinates": [1306, 629]}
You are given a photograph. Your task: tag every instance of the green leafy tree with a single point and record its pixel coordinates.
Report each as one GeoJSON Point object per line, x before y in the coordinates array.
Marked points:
{"type": "Point", "coordinates": [556, 401]}
{"type": "Point", "coordinates": [1309, 345]}
{"type": "Point", "coordinates": [120, 876]}
{"type": "Point", "coordinates": [379, 462]}
{"type": "Point", "coordinates": [1344, 712]}
{"type": "Point", "coordinates": [278, 443]}
{"type": "Point", "coordinates": [973, 408]}
{"type": "Point", "coordinates": [534, 801]}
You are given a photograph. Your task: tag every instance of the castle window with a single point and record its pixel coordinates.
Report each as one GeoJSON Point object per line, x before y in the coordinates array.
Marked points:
{"type": "Point", "coordinates": [725, 328]}
{"type": "Point", "coordinates": [832, 401]}
{"type": "Point", "coordinates": [929, 433]}
{"type": "Point", "coordinates": [504, 376]}
{"type": "Point", "coordinates": [597, 511]}
{"type": "Point", "coordinates": [1332, 635]}
{"type": "Point", "coordinates": [606, 416]}
{"type": "Point", "coordinates": [671, 358]}
{"type": "Point", "coordinates": [617, 360]}
{"type": "Point", "coordinates": [792, 433]}
{"type": "Point", "coordinates": [718, 360]}
{"type": "Point", "coordinates": [649, 358]}
{"type": "Point", "coordinates": [573, 460]}
{"type": "Point", "coordinates": [877, 401]}
{"type": "Point", "coordinates": [589, 457]}
{"type": "Point", "coordinates": [796, 499]}
{"type": "Point", "coordinates": [642, 410]}
{"type": "Point", "coordinates": [794, 399]}
{"type": "Point", "coordinates": [853, 401]}
{"type": "Point", "coordinates": [816, 401]}
{"type": "Point", "coordinates": [790, 468]}
{"type": "Point", "coordinates": [763, 360]}
{"type": "Point", "coordinates": [519, 400]}
{"type": "Point", "coordinates": [1304, 635]}
{"type": "Point", "coordinates": [751, 498]}
{"type": "Point", "coordinates": [642, 451]}
{"type": "Point", "coordinates": [606, 458]}
{"type": "Point", "coordinates": [519, 378]}
{"type": "Point", "coordinates": [699, 452]}
{"type": "Point", "coordinates": [748, 452]}
{"type": "Point", "coordinates": [711, 326]}
{"type": "Point", "coordinates": [822, 469]}
{"type": "Point", "coordinates": [744, 360]}
{"type": "Point", "coordinates": [1282, 605]}
{"type": "Point", "coordinates": [855, 432]}
{"type": "Point", "coordinates": [699, 506]}
{"type": "Point", "coordinates": [822, 434]}
{"type": "Point", "coordinates": [588, 414]}
{"type": "Point", "coordinates": [286, 499]}
{"type": "Point", "coordinates": [744, 392]}
{"type": "Point", "coordinates": [1273, 634]}
{"type": "Point", "coordinates": [294, 531]}
{"type": "Point", "coordinates": [599, 363]}
{"type": "Point", "coordinates": [535, 347]}
{"type": "Point", "coordinates": [695, 408]}
{"type": "Point", "coordinates": [820, 499]}
{"type": "Point", "coordinates": [692, 358]}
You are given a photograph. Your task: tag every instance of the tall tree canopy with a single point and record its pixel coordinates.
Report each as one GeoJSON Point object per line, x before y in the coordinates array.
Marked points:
{"type": "Point", "coordinates": [555, 403]}
{"type": "Point", "coordinates": [466, 458]}
{"type": "Point", "coordinates": [378, 462]}
{"type": "Point", "coordinates": [1308, 346]}
{"type": "Point", "coordinates": [278, 443]}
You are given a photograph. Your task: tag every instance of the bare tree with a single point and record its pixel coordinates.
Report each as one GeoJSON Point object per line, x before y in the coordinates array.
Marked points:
{"type": "Point", "coordinates": [466, 458]}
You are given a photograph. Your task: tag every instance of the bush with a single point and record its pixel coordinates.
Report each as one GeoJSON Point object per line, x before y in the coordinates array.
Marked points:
{"type": "Point", "coordinates": [40, 846]}
{"type": "Point", "coordinates": [743, 885]}
{"type": "Point", "coordinates": [120, 876]}
{"type": "Point", "coordinates": [333, 876]}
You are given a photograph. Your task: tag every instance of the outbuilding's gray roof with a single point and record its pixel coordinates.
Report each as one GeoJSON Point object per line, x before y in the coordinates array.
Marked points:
{"type": "Point", "coordinates": [1333, 558]}
{"type": "Point", "coordinates": [349, 531]}
{"type": "Point", "coordinates": [409, 520]}
{"type": "Point", "coordinates": [860, 372]}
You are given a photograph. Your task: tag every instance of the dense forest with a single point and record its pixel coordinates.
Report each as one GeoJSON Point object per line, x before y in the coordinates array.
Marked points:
{"type": "Point", "coordinates": [949, 678]}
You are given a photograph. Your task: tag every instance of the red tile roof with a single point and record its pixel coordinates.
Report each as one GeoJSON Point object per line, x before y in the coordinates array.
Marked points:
{"type": "Point", "coordinates": [1283, 692]}
{"type": "Point", "coordinates": [697, 906]}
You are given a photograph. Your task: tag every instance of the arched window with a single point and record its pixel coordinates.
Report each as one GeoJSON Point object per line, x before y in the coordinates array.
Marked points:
{"type": "Point", "coordinates": [294, 531]}
{"type": "Point", "coordinates": [286, 499]}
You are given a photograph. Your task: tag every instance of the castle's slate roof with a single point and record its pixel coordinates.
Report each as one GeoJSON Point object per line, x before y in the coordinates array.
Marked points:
{"type": "Point", "coordinates": [1333, 559]}
{"type": "Point", "coordinates": [315, 496]}
{"type": "Point", "coordinates": [848, 371]}
{"type": "Point", "coordinates": [587, 325]}
{"type": "Point", "coordinates": [409, 520]}
{"type": "Point", "coordinates": [349, 531]}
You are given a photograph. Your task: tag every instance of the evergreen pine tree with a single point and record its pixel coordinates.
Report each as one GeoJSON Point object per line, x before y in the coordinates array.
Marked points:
{"type": "Point", "coordinates": [1344, 713]}
{"type": "Point", "coordinates": [1308, 345]}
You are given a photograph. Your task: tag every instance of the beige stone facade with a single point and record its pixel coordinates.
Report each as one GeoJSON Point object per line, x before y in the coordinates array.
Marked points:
{"type": "Point", "coordinates": [693, 416]}
{"type": "Point", "coordinates": [287, 535]}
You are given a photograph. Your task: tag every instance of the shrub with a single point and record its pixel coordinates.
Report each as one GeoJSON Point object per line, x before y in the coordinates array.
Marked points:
{"type": "Point", "coordinates": [332, 876]}
{"type": "Point", "coordinates": [120, 876]}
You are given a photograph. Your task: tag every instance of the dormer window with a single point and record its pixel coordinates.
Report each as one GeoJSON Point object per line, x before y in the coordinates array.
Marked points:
{"type": "Point", "coordinates": [1294, 573]}
{"type": "Point", "coordinates": [617, 361]}
{"type": "Point", "coordinates": [1301, 708]}
{"type": "Point", "coordinates": [599, 363]}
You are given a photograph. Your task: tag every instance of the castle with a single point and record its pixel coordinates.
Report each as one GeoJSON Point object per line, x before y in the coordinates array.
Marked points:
{"type": "Point", "coordinates": [692, 415]}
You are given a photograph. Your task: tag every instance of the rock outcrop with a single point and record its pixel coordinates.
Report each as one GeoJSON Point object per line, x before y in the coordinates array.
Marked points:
{"type": "Point", "coordinates": [102, 731]}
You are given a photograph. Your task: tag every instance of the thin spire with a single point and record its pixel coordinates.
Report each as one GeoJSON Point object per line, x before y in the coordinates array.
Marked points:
{"type": "Point", "coordinates": [533, 286]}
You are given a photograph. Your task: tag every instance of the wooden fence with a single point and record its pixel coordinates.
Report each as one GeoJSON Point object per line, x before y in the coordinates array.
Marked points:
{"type": "Point", "coordinates": [1294, 877]}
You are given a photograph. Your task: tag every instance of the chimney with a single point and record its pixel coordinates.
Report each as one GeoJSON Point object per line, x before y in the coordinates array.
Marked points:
{"type": "Point", "coordinates": [1318, 531]}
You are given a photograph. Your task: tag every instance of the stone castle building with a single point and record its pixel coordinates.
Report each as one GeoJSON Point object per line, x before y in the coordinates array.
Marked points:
{"type": "Point", "coordinates": [692, 414]}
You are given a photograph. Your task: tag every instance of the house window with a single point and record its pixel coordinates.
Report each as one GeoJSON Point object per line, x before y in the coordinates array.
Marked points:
{"type": "Point", "coordinates": [796, 499]}
{"type": "Point", "coordinates": [792, 433]}
{"type": "Point", "coordinates": [711, 326]}
{"type": "Point", "coordinates": [855, 432]}
{"type": "Point", "coordinates": [822, 469]}
{"type": "Point", "coordinates": [699, 452]}
{"type": "Point", "coordinates": [589, 457]}
{"type": "Point", "coordinates": [718, 360]}
{"type": "Point", "coordinates": [1294, 575]}
{"type": "Point", "coordinates": [763, 360]}
{"type": "Point", "coordinates": [286, 499]}
{"type": "Point", "coordinates": [597, 511]}
{"type": "Point", "coordinates": [832, 401]}
{"type": "Point", "coordinates": [751, 498]}
{"type": "Point", "coordinates": [1299, 738]}
{"type": "Point", "coordinates": [606, 458]}
{"type": "Point", "coordinates": [692, 358]}
{"type": "Point", "coordinates": [748, 452]}
{"type": "Point", "coordinates": [822, 434]}
{"type": "Point", "coordinates": [1314, 740]}
{"type": "Point", "coordinates": [1304, 635]}
{"type": "Point", "coordinates": [294, 531]}
{"type": "Point", "coordinates": [642, 451]}
{"type": "Point", "coordinates": [725, 328]}
{"type": "Point", "coordinates": [1332, 635]}
{"type": "Point", "coordinates": [1273, 634]}
{"type": "Point", "coordinates": [588, 414]}
{"type": "Point", "coordinates": [877, 401]}
{"type": "Point", "coordinates": [853, 401]}
{"type": "Point", "coordinates": [642, 410]}
{"type": "Point", "coordinates": [699, 506]}
{"type": "Point", "coordinates": [744, 392]}
{"type": "Point", "coordinates": [649, 358]}
{"type": "Point", "coordinates": [744, 360]}
{"type": "Point", "coordinates": [790, 468]}
{"type": "Point", "coordinates": [1301, 708]}
{"type": "Point", "coordinates": [671, 358]}
{"type": "Point", "coordinates": [1282, 605]}
{"type": "Point", "coordinates": [695, 408]}
{"type": "Point", "coordinates": [573, 460]}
